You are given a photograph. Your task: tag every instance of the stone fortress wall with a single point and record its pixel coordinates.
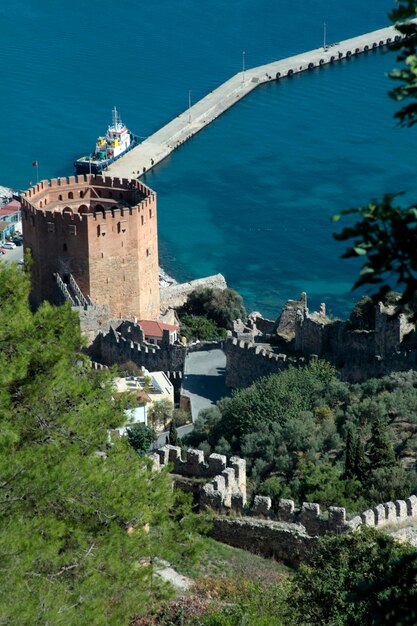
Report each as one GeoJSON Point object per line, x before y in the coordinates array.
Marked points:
{"type": "Point", "coordinates": [126, 342]}
{"type": "Point", "coordinates": [265, 347]}
{"type": "Point", "coordinates": [287, 533]}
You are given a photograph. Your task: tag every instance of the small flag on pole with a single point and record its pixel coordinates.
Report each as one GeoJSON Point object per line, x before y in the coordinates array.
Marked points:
{"type": "Point", "coordinates": [36, 164]}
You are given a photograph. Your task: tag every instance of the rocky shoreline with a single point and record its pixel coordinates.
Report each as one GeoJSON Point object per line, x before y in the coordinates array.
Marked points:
{"type": "Point", "coordinates": [165, 280]}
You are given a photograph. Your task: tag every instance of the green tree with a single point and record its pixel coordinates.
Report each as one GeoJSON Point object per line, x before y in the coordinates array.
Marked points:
{"type": "Point", "coordinates": [202, 328]}
{"type": "Point", "coordinates": [161, 412]}
{"type": "Point", "coordinates": [350, 460]}
{"type": "Point", "coordinates": [407, 75]}
{"type": "Point", "coordinates": [223, 306]}
{"type": "Point", "coordinates": [140, 437]}
{"type": "Point", "coordinates": [174, 439]}
{"type": "Point", "coordinates": [380, 450]}
{"type": "Point", "coordinates": [361, 463]}
{"type": "Point", "coordinates": [279, 397]}
{"type": "Point", "coordinates": [322, 482]}
{"type": "Point", "coordinates": [362, 316]}
{"type": "Point", "coordinates": [77, 516]}
{"type": "Point", "coordinates": [323, 591]}
{"type": "Point", "coordinates": [392, 599]}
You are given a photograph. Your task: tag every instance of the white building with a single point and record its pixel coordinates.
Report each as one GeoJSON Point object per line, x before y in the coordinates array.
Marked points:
{"type": "Point", "coordinates": [147, 388]}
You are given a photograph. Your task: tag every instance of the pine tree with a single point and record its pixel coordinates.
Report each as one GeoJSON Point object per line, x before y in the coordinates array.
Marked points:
{"type": "Point", "coordinates": [361, 464]}
{"type": "Point", "coordinates": [350, 454]}
{"type": "Point", "coordinates": [174, 439]}
{"type": "Point", "coordinates": [77, 516]}
{"type": "Point", "coordinates": [380, 449]}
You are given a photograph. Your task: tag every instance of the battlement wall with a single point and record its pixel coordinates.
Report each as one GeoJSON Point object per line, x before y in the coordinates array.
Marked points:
{"type": "Point", "coordinates": [125, 344]}
{"type": "Point", "coordinates": [357, 353]}
{"type": "Point", "coordinates": [85, 195]}
{"type": "Point", "coordinates": [83, 180]}
{"type": "Point", "coordinates": [285, 532]}
{"type": "Point", "coordinates": [247, 361]}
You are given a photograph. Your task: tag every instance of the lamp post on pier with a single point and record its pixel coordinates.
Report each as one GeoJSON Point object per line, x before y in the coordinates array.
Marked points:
{"type": "Point", "coordinates": [324, 36]}
{"type": "Point", "coordinates": [189, 106]}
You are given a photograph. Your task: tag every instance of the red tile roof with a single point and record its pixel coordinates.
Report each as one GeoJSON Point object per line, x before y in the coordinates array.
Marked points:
{"type": "Point", "coordinates": [155, 329]}
{"type": "Point", "coordinates": [6, 211]}
{"type": "Point", "coordinates": [13, 204]}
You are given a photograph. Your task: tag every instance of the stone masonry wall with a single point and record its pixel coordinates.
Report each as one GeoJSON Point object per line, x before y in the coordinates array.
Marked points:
{"type": "Point", "coordinates": [358, 354]}
{"type": "Point", "coordinates": [248, 361]}
{"type": "Point", "coordinates": [175, 296]}
{"type": "Point", "coordinates": [285, 542]}
{"type": "Point", "coordinates": [101, 230]}
{"type": "Point", "coordinates": [119, 346]}
{"type": "Point", "coordinates": [287, 533]}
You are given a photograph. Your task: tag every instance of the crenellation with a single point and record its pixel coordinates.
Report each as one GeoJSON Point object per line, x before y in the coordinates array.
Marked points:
{"type": "Point", "coordinates": [309, 517]}
{"type": "Point", "coordinates": [174, 454]}
{"type": "Point", "coordinates": [380, 518]}
{"type": "Point", "coordinates": [239, 467]}
{"type": "Point", "coordinates": [219, 483]}
{"type": "Point", "coordinates": [411, 503]}
{"type": "Point", "coordinates": [195, 459]}
{"type": "Point", "coordinates": [261, 506]}
{"type": "Point", "coordinates": [217, 463]}
{"type": "Point", "coordinates": [163, 454]}
{"type": "Point", "coordinates": [368, 518]}
{"type": "Point", "coordinates": [401, 509]}
{"type": "Point", "coordinates": [390, 512]}
{"type": "Point", "coordinates": [285, 510]}
{"type": "Point", "coordinates": [354, 523]}
{"type": "Point", "coordinates": [337, 518]}
{"type": "Point", "coordinates": [225, 492]}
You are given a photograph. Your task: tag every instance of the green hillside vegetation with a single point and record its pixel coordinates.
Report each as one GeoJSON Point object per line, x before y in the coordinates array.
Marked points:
{"type": "Point", "coordinates": [307, 435]}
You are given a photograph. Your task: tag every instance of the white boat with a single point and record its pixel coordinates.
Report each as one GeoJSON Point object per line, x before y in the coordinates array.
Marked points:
{"type": "Point", "coordinates": [117, 141]}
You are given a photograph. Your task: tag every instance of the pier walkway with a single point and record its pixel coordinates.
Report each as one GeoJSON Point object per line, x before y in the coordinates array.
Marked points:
{"type": "Point", "coordinates": [160, 145]}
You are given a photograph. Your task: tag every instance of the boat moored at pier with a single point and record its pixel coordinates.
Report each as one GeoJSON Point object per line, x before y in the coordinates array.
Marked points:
{"type": "Point", "coordinates": [117, 141]}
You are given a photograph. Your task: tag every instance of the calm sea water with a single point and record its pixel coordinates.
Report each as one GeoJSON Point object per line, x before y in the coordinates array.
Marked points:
{"type": "Point", "coordinates": [252, 194]}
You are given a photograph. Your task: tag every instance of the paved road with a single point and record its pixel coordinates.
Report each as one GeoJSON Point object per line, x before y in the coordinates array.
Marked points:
{"type": "Point", "coordinates": [13, 255]}
{"type": "Point", "coordinates": [162, 437]}
{"type": "Point", "coordinates": [204, 379]}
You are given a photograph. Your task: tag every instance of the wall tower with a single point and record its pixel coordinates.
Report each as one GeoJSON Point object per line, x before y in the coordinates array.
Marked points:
{"type": "Point", "coordinates": [103, 232]}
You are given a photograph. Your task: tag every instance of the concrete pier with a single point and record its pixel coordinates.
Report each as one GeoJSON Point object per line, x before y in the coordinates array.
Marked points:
{"type": "Point", "coordinates": [160, 145]}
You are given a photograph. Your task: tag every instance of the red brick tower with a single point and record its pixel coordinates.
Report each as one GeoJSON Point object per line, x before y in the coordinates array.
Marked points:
{"type": "Point", "coordinates": [103, 232]}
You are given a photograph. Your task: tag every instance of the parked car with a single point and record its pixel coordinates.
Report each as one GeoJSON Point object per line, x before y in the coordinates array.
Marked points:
{"type": "Point", "coordinates": [17, 241]}
{"type": "Point", "coordinates": [2, 250]}
{"type": "Point", "coordinates": [9, 245]}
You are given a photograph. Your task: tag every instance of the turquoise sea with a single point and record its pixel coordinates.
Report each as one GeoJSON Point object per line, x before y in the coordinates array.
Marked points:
{"type": "Point", "coordinates": [251, 195]}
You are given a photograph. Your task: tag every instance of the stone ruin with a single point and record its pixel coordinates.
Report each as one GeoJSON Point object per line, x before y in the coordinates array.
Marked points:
{"type": "Point", "coordinates": [225, 493]}
{"type": "Point", "coordinates": [227, 488]}
{"type": "Point", "coordinates": [285, 533]}
{"type": "Point", "coordinates": [262, 347]}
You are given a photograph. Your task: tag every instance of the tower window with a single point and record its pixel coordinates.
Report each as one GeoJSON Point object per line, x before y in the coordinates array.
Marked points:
{"type": "Point", "coordinates": [64, 247]}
